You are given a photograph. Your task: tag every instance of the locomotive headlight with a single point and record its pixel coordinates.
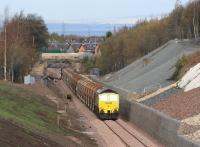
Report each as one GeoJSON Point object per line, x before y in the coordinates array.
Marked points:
{"type": "Point", "coordinates": [114, 97]}
{"type": "Point", "coordinates": [103, 98]}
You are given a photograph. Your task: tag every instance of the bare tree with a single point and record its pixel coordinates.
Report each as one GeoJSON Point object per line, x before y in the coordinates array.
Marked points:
{"type": "Point", "coordinates": [196, 18]}
{"type": "Point", "coordinates": [6, 12]}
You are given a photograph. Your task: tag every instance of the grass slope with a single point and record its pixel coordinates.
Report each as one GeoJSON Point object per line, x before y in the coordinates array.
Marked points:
{"type": "Point", "coordinates": [27, 109]}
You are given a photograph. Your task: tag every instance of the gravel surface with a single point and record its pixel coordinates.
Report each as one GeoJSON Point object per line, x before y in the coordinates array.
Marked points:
{"type": "Point", "coordinates": [192, 129]}
{"type": "Point", "coordinates": [160, 97]}
{"type": "Point", "coordinates": [181, 105]}
{"type": "Point", "coordinates": [154, 70]}
{"type": "Point", "coordinates": [128, 138]}
{"type": "Point", "coordinates": [139, 134]}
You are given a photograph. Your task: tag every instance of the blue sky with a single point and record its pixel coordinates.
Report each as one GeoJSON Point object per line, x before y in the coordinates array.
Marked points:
{"type": "Point", "coordinates": [90, 11]}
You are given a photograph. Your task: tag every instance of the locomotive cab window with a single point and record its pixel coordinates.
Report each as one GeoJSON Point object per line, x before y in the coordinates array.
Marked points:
{"type": "Point", "coordinates": [103, 97]}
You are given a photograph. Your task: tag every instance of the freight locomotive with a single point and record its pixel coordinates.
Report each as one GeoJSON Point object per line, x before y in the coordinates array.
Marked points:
{"type": "Point", "coordinates": [103, 101]}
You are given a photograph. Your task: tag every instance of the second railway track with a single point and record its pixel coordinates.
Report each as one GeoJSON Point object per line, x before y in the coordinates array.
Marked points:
{"type": "Point", "coordinates": [128, 138]}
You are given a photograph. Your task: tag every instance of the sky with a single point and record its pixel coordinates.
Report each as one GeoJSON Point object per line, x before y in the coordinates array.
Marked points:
{"type": "Point", "coordinates": [90, 11]}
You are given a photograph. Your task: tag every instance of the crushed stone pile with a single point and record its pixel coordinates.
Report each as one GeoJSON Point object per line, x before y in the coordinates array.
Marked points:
{"type": "Point", "coordinates": [181, 105]}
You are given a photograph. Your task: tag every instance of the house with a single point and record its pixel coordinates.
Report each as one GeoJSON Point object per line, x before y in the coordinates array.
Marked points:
{"type": "Point", "coordinates": [82, 49]}
{"type": "Point", "coordinates": [88, 47]}
{"type": "Point", "coordinates": [63, 46]}
{"type": "Point", "coordinates": [56, 47]}
{"type": "Point", "coordinates": [70, 50]}
{"type": "Point", "coordinates": [74, 47]}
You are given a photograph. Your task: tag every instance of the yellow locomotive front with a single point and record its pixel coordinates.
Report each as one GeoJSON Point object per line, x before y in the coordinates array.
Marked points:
{"type": "Point", "coordinates": [108, 105]}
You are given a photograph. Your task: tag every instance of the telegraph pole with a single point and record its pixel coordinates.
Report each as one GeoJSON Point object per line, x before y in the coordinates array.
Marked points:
{"type": "Point", "coordinates": [33, 41]}
{"type": "Point", "coordinates": [5, 43]}
{"type": "Point", "coordinates": [5, 59]}
{"type": "Point", "coordinates": [63, 28]}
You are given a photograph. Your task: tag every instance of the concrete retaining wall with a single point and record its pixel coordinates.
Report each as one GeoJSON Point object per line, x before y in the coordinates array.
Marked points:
{"type": "Point", "coordinates": [157, 124]}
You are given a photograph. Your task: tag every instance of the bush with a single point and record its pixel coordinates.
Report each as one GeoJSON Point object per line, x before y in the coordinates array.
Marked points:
{"type": "Point", "coordinates": [179, 66]}
{"type": "Point", "coordinates": [185, 63]}
{"type": "Point", "coordinates": [88, 63]}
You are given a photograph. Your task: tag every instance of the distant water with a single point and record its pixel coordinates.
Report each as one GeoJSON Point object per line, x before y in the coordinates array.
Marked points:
{"type": "Point", "coordinates": [83, 29]}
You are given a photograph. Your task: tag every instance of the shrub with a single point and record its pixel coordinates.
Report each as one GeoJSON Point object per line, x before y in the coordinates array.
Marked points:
{"type": "Point", "coordinates": [179, 66]}
{"type": "Point", "coordinates": [185, 63]}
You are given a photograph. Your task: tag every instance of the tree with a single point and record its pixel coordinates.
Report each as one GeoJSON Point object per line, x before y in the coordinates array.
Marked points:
{"type": "Point", "coordinates": [175, 25]}
{"type": "Point", "coordinates": [38, 30]}
{"type": "Point", "coordinates": [196, 18]}
{"type": "Point", "coordinates": [24, 35]}
{"type": "Point", "coordinates": [20, 52]}
{"type": "Point", "coordinates": [88, 62]}
{"type": "Point", "coordinates": [108, 34]}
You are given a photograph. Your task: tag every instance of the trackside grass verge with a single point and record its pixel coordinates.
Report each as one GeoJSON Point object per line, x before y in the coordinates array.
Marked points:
{"type": "Point", "coordinates": [28, 110]}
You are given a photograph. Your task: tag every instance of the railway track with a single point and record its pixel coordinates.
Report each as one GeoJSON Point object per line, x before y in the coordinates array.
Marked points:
{"type": "Point", "coordinates": [120, 133]}
{"type": "Point", "coordinates": [127, 137]}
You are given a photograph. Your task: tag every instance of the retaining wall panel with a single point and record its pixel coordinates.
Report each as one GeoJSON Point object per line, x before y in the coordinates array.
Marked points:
{"type": "Point", "coordinates": [157, 124]}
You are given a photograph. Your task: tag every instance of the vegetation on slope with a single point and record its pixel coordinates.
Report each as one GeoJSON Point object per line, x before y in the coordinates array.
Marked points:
{"type": "Point", "coordinates": [28, 118]}
{"type": "Point", "coordinates": [185, 63]}
{"type": "Point", "coordinates": [27, 109]}
{"type": "Point", "coordinates": [88, 63]}
{"type": "Point", "coordinates": [129, 44]}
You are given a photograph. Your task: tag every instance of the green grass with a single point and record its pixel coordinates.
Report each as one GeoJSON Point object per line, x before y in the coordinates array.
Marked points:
{"type": "Point", "coordinates": [28, 109]}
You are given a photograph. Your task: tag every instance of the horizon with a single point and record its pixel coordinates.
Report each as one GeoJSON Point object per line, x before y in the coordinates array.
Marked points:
{"type": "Point", "coordinates": [83, 29]}
{"type": "Point", "coordinates": [80, 12]}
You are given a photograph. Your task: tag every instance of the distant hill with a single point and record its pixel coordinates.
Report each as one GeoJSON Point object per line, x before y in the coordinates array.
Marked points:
{"type": "Point", "coordinates": [82, 29]}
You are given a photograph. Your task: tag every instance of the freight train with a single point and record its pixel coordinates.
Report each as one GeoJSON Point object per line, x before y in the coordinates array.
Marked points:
{"type": "Point", "coordinates": [103, 101]}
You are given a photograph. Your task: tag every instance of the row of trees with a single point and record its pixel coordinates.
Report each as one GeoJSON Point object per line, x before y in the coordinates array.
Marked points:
{"type": "Point", "coordinates": [55, 37]}
{"type": "Point", "coordinates": [127, 45]}
{"type": "Point", "coordinates": [22, 36]}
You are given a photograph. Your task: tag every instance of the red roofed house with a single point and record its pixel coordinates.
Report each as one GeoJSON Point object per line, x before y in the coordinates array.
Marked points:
{"type": "Point", "coordinates": [82, 48]}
